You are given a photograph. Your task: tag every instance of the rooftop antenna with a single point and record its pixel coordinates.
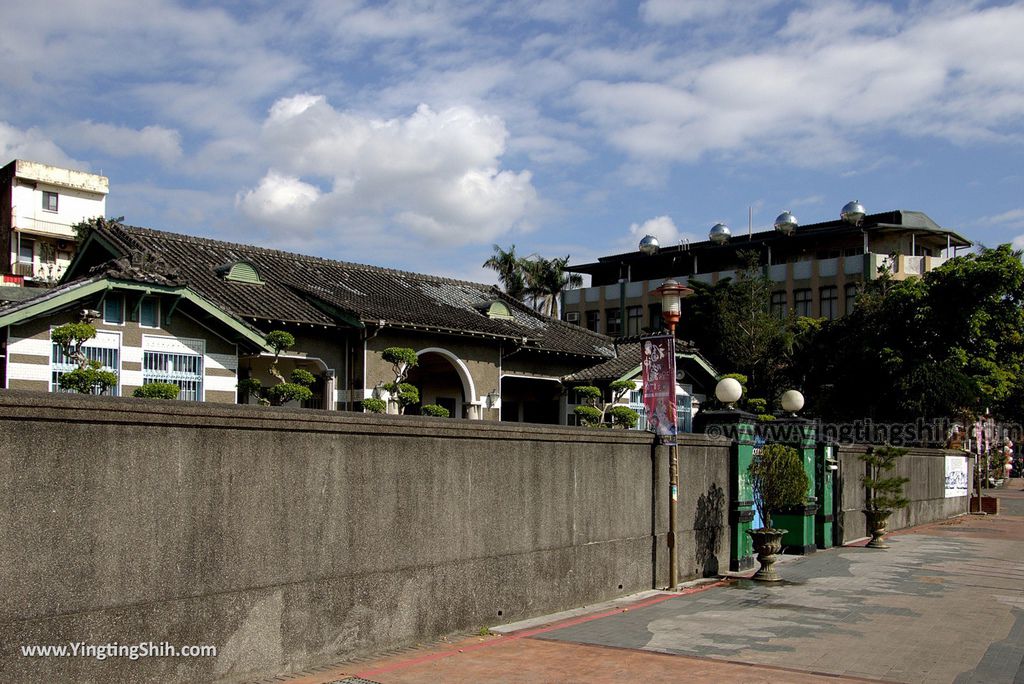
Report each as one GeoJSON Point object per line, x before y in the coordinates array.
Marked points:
{"type": "Point", "coordinates": [750, 221]}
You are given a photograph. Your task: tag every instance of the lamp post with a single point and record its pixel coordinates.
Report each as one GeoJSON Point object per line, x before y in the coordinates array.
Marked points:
{"type": "Point", "coordinates": [671, 294]}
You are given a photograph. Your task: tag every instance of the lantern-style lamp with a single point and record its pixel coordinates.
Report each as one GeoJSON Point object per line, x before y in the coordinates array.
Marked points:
{"type": "Point", "coordinates": [672, 293]}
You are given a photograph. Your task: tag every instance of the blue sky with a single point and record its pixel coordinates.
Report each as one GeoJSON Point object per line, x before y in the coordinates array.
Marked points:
{"type": "Point", "coordinates": [417, 134]}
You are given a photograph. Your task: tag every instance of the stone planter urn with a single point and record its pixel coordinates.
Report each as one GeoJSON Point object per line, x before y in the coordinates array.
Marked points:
{"type": "Point", "coordinates": [877, 520]}
{"type": "Point", "coordinates": [768, 545]}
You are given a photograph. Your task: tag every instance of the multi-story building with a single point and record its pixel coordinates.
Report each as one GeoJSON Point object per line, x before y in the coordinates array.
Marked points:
{"type": "Point", "coordinates": [39, 205]}
{"type": "Point", "coordinates": [816, 269]}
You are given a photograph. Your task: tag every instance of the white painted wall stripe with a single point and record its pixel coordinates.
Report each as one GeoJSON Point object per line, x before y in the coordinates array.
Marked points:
{"type": "Point", "coordinates": [133, 378]}
{"type": "Point", "coordinates": [28, 371]}
{"type": "Point", "coordinates": [131, 355]}
{"type": "Point", "coordinates": [29, 346]}
{"type": "Point", "coordinates": [217, 383]}
{"type": "Point", "coordinates": [173, 345]}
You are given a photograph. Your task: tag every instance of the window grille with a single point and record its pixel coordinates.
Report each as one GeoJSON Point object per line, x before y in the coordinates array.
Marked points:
{"type": "Point", "coordinates": [183, 370]}
{"type": "Point", "coordinates": [60, 364]}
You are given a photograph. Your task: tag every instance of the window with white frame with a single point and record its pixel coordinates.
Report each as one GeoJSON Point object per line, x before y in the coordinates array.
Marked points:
{"type": "Point", "coordinates": [175, 361]}
{"type": "Point", "coordinates": [105, 348]}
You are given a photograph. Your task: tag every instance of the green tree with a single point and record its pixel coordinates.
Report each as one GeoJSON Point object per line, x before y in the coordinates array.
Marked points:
{"type": "Point", "coordinates": [546, 279]}
{"type": "Point", "coordinates": [295, 388]}
{"type": "Point", "coordinates": [884, 490]}
{"type": "Point", "coordinates": [778, 479]}
{"type": "Point", "coordinates": [510, 271]}
{"type": "Point", "coordinates": [157, 390]}
{"type": "Point", "coordinates": [89, 377]}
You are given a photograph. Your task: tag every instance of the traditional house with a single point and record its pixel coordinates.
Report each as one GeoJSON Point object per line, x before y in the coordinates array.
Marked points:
{"type": "Point", "coordinates": [481, 354]}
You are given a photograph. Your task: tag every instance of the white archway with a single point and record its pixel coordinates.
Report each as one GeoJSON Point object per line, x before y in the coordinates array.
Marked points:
{"type": "Point", "coordinates": [468, 386]}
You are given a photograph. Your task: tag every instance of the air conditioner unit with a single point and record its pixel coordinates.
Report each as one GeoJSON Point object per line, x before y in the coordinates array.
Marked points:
{"type": "Point", "coordinates": [63, 244]}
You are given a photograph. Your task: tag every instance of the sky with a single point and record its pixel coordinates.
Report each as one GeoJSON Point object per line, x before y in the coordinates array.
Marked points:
{"type": "Point", "coordinates": [418, 134]}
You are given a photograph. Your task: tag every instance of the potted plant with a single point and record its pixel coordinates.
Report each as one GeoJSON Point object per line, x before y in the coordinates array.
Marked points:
{"type": "Point", "coordinates": [778, 479]}
{"type": "Point", "coordinates": [884, 491]}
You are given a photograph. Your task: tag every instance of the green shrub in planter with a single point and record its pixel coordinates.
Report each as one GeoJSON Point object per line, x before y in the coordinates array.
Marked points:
{"type": "Point", "coordinates": [778, 479]}
{"type": "Point", "coordinates": [375, 405]}
{"type": "Point", "coordinates": [589, 416]}
{"type": "Point", "coordinates": [435, 410]}
{"type": "Point", "coordinates": [157, 390]}
{"type": "Point", "coordinates": [623, 417]}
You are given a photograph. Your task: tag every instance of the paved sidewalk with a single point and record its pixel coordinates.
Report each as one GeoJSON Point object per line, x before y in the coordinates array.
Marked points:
{"type": "Point", "coordinates": [944, 604]}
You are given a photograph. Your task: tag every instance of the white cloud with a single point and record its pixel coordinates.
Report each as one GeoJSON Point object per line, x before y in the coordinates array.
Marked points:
{"type": "Point", "coordinates": [1012, 219]}
{"type": "Point", "coordinates": [279, 197]}
{"type": "Point", "coordinates": [661, 227]}
{"type": "Point", "coordinates": [32, 145]}
{"type": "Point", "coordinates": [161, 143]}
{"type": "Point", "coordinates": [435, 174]}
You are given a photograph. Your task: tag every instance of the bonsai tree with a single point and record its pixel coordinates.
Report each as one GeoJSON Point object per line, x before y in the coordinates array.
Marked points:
{"type": "Point", "coordinates": [157, 390]}
{"type": "Point", "coordinates": [436, 410]}
{"type": "Point", "coordinates": [89, 377]}
{"type": "Point", "coordinates": [884, 490]}
{"type": "Point", "coordinates": [590, 415]}
{"type": "Point", "coordinates": [402, 360]}
{"type": "Point", "coordinates": [778, 479]}
{"type": "Point", "coordinates": [295, 388]}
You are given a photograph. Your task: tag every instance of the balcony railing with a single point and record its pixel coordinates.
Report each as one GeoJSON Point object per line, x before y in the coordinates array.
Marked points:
{"type": "Point", "coordinates": [30, 224]}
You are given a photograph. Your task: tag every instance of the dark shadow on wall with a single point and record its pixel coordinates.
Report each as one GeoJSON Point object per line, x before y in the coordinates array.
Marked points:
{"type": "Point", "coordinates": [709, 530]}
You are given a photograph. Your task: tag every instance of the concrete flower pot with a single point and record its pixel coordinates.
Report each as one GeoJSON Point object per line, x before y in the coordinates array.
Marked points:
{"type": "Point", "coordinates": [768, 545]}
{"type": "Point", "coordinates": [877, 521]}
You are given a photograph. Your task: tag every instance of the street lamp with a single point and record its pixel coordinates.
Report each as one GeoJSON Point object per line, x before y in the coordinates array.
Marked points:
{"type": "Point", "coordinates": [792, 401]}
{"type": "Point", "coordinates": [672, 293]}
{"type": "Point", "coordinates": [728, 391]}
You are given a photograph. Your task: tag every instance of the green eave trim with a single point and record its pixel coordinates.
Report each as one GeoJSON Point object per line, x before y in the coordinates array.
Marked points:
{"type": "Point", "coordinates": [629, 375]}
{"type": "Point", "coordinates": [72, 295]}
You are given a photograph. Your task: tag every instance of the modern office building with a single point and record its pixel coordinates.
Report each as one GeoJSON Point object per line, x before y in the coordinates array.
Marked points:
{"type": "Point", "coordinates": [39, 205]}
{"type": "Point", "coordinates": [817, 269]}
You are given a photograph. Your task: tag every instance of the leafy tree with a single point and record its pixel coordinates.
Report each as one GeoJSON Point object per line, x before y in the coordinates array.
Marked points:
{"type": "Point", "coordinates": [402, 360]}
{"type": "Point", "coordinates": [778, 479]}
{"type": "Point", "coordinates": [546, 279]}
{"type": "Point", "coordinates": [885, 491]}
{"type": "Point", "coordinates": [89, 377]}
{"type": "Point", "coordinates": [731, 322]}
{"type": "Point", "coordinates": [295, 388]}
{"type": "Point", "coordinates": [510, 271]}
{"type": "Point", "coordinates": [84, 228]}
{"type": "Point", "coordinates": [157, 390]}
{"type": "Point", "coordinates": [623, 417]}
{"type": "Point", "coordinates": [591, 414]}
{"type": "Point", "coordinates": [947, 345]}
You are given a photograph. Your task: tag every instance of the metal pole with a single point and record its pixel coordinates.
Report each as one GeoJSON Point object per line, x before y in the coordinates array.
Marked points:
{"type": "Point", "coordinates": [673, 501]}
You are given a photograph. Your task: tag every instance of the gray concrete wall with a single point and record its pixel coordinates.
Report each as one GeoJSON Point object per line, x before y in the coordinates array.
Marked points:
{"type": "Point", "coordinates": [288, 538]}
{"type": "Point", "coordinates": [926, 469]}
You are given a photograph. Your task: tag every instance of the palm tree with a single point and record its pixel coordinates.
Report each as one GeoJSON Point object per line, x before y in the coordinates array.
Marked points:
{"type": "Point", "coordinates": [510, 271]}
{"type": "Point", "coordinates": [546, 279]}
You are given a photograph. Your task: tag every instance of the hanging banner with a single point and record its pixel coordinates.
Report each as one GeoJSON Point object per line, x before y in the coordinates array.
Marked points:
{"type": "Point", "coordinates": [659, 363]}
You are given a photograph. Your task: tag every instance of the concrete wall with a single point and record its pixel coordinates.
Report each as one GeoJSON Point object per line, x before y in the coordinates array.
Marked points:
{"type": "Point", "coordinates": [926, 490]}
{"type": "Point", "coordinates": [288, 538]}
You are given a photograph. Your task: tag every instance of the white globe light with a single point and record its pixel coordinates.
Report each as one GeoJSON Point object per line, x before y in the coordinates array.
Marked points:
{"type": "Point", "coordinates": [792, 401]}
{"type": "Point", "coordinates": [728, 390]}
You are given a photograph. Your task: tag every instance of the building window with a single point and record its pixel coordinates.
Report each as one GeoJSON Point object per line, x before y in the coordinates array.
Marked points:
{"type": "Point", "coordinates": [802, 302]}
{"type": "Point", "coordinates": [634, 320]}
{"type": "Point", "coordinates": [613, 326]}
{"type": "Point", "coordinates": [183, 370]}
{"type": "Point", "coordinates": [105, 348]}
{"type": "Point", "coordinates": [656, 321]}
{"type": "Point", "coordinates": [851, 297]}
{"type": "Point", "coordinates": [778, 304]}
{"type": "Point", "coordinates": [572, 317]}
{"type": "Point", "coordinates": [828, 299]}
{"type": "Point", "coordinates": [49, 201]}
{"type": "Point", "coordinates": [149, 312]}
{"type": "Point", "coordinates": [113, 310]}
{"type": "Point", "coordinates": [26, 251]}
{"type": "Point", "coordinates": [593, 320]}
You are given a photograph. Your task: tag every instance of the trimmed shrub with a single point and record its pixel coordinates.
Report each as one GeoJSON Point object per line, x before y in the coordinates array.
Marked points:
{"type": "Point", "coordinates": [435, 410]}
{"type": "Point", "coordinates": [157, 390]}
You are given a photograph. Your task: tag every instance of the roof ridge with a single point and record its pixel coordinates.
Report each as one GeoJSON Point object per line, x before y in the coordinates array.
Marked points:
{"type": "Point", "coordinates": [296, 255]}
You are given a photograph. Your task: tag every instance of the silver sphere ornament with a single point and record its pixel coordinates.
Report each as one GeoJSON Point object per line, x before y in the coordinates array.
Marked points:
{"type": "Point", "coordinates": [853, 212]}
{"type": "Point", "coordinates": [786, 223]}
{"type": "Point", "coordinates": [719, 234]}
{"type": "Point", "coordinates": [649, 245]}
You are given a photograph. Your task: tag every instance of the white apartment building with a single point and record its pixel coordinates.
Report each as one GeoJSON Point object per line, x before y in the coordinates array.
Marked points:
{"type": "Point", "coordinates": [39, 205]}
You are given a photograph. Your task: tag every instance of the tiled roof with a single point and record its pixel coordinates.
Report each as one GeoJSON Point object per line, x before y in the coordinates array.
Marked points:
{"type": "Point", "coordinates": [305, 289]}
{"type": "Point", "coordinates": [629, 357]}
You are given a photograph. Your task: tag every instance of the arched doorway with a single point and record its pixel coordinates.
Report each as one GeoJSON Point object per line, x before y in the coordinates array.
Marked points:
{"type": "Point", "coordinates": [442, 378]}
